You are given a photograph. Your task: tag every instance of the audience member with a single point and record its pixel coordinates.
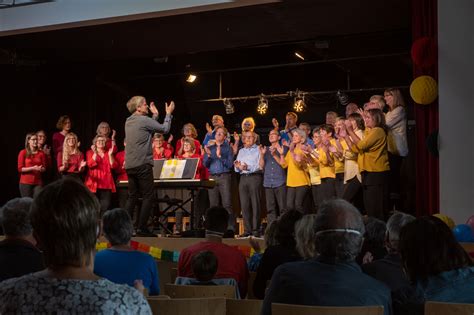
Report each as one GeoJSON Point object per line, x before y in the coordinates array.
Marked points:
{"type": "Point", "coordinates": [204, 266]}
{"type": "Point", "coordinates": [333, 278]}
{"type": "Point", "coordinates": [389, 269]}
{"type": "Point", "coordinates": [270, 240]}
{"type": "Point", "coordinates": [232, 263]}
{"type": "Point", "coordinates": [121, 263]}
{"type": "Point", "coordinates": [64, 217]}
{"type": "Point", "coordinates": [373, 247]}
{"type": "Point", "coordinates": [18, 254]}
{"type": "Point", "coordinates": [283, 252]}
{"type": "Point", "coordinates": [304, 236]}
{"type": "Point", "coordinates": [436, 265]}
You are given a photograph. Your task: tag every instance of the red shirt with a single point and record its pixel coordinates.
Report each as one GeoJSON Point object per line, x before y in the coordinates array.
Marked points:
{"type": "Point", "coordinates": [166, 154]}
{"type": "Point", "coordinates": [202, 172]}
{"type": "Point", "coordinates": [58, 141]}
{"type": "Point", "coordinates": [99, 174]}
{"type": "Point", "coordinates": [31, 177]}
{"type": "Point", "coordinates": [197, 144]}
{"type": "Point", "coordinates": [74, 162]}
{"type": "Point", "coordinates": [119, 169]}
{"type": "Point", "coordinates": [231, 263]}
{"type": "Point", "coordinates": [108, 145]}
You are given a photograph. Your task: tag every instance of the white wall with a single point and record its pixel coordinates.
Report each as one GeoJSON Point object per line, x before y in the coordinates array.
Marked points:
{"type": "Point", "coordinates": [456, 107]}
{"type": "Point", "coordinates": [72, 13]}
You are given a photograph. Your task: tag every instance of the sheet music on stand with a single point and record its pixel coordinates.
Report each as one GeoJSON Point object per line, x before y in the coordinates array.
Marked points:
{"type": "Point", "coordinates": [175, 169]}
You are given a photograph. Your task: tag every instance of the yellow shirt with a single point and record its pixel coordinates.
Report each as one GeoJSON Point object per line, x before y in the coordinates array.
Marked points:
{"type": "Point", "coordinates": [314, 175]}
{"type": "Point", "coordinates": [296, 176]}
{"type": "Point", "coordinates": [338, 164]}
{"type": "Point", "coordinates": [372, 149]}
{"type": "Point", "coordinates": [326, 170]}
{"type": "Point", "coordinates": [351, 168]}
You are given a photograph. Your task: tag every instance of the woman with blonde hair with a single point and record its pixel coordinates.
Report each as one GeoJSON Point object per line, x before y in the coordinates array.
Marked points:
{"type": "Point", "coordinates": [248, 124]}
{"type": "Point", "coordinates": [372, 161]}
{"type": "Point", "coordinates": [396, 121]}
{"type": "Point", "coordinates": [31, 163]}
{"type": "Point", "coordinates": [99, 178]}
{"type": "Point", "coordinates": [188, 131]}
{"type": "Point", "coordinates": [71, 160]}
{"type": "Point", "coordinates": [297, 180]}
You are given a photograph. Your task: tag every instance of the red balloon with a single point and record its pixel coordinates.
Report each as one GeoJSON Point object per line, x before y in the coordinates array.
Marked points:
{"type": "Point", "coordinates": [470, 222]}
{"type": "Point", "coordinates": [424, 52]}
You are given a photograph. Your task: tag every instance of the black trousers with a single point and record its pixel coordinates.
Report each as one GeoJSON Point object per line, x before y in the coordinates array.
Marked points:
{"type": "Point", "coordinates": [315, 194]}
{"type": "Point", "coordinates": [140, 183]}
{"type": "Point", "coordinates": [250, 189]}
{"type": "Point", "coordinates": [352, 187]}
{"type": "Point", "coordinates": [275, 199]}
{"type": "Point", "coordinates": [105, 198]}
{"type": "Point", "coordinates": [339, 185]}
{"type": "Point", "coordinates": [27, 190]}
{"type": "Point", "coordinates": [221, 195]}
{"type": "Point", "coordinates": [327, 191]}
{"type": "Point", "coordinates": [295, 198]}
{"type": "Point", "coordinates": [375, 189]}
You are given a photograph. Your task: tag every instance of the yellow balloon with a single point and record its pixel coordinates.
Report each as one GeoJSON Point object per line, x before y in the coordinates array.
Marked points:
{"type": "Point", "coordinates": [424, 90]}
{"type": "Point", "coordinates": [449, 222]}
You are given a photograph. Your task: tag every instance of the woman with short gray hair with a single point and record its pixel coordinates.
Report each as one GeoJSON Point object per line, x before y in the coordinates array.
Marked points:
{"type": "Point", "coordinates": [121, 263]}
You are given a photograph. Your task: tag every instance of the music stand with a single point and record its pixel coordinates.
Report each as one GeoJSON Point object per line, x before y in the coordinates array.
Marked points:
{"type": "Point", "coordinates": [170, 170]}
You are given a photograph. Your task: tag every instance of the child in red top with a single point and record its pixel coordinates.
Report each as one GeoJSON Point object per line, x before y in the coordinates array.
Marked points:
{"type": "Point", "coordinates": [99, 178]}
{"type": "Point", "coordinates": [31, 163]}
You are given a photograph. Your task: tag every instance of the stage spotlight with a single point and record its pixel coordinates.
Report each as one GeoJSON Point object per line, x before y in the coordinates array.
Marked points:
{"type": "Point", "coordinates": [299, 105]}
{"type": "Point", "coordinates": [191, 78]}
{"type": "Point", "coordinates": [299, 55]}
{"type": "Point", "coordinates": [262, 106]}
{"type": "Point", "coordinates": [343, 98]}
{"type": "Point", "coordinates": [229, 107]}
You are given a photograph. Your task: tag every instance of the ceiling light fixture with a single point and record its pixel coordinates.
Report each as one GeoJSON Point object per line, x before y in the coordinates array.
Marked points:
{"type": "Point", "coordinates": [299, 104]}
{"type": "Point", "coordinates": [229, 107]}
{"type": "Point", "coordinates": [262, 106]}
{"type": "Point", "coordinates": [300, 56]}
{"type": "Point", "coordinates": [191, 78]}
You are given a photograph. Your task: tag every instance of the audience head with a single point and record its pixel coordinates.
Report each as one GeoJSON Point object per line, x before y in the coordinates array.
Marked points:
{"type": "Point", "coordinates": [134, 103]}
{"type": "Point", "coordinates": [64, 217]}
{"type": "Point", "coordinates": [216, 219]}
{"type": "Point", "coordinates": [248, 124]}
{"type": "Point", "coordinates": [375, 231]}
{"type": "Point", "coordinates": [394, 224]}
{"type": "Point", "coordinates": [15, 217]}
{"type": "Point", "coordinates": [285, 229]}
{"type": "Point", "coordinates": [269, 235]}
{"type": "Point", "coordinates": [393, 97]}
{"type": "Point", "coordinates": [305, 235]}
{"type": "Point", "coordinates": [117, 226]}
{"type": "Point", "coordinates": [331, 118]}
{"type": "Point", "coordinates": [103, 129]}
{"type": "Point", "coordinates": [189, 131]}
{"type": "Point", "coordinates": [357, 121]}
{"type": "Point", "coordinates": [204, 265]}
{"type": "Point", "coordinates": [64, 123]}
{"type": "Point", "coordinates": [428, 247]}
{"type": "Point", "coordinates": [339, 231]}
{"type": "Point", "coordinates": [351, 108]}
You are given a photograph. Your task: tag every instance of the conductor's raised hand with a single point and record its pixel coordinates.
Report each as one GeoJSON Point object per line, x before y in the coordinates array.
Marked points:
{"type": "Point", "coordinates": [153, 109]}
{"type": "Point", "coordinates": [169, 108]}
